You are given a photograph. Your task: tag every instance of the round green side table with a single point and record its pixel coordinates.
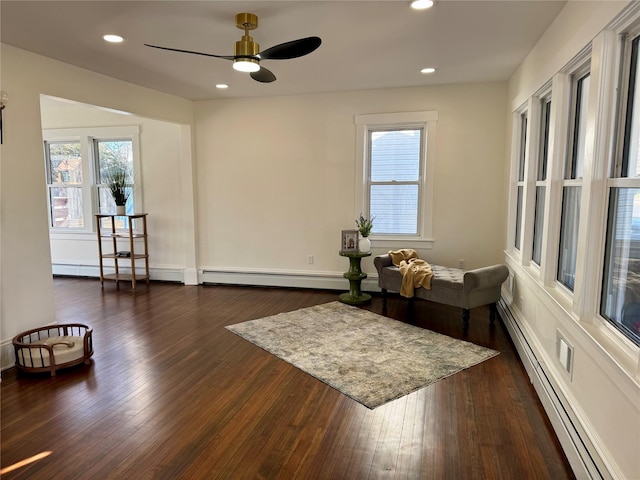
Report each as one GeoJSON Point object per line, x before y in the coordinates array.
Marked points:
{"type": "Point", "coordinates": [355, 275]}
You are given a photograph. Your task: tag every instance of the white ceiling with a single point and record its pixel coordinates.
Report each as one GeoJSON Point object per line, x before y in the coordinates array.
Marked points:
{"type": "Point", "coordinates": [365, 44]}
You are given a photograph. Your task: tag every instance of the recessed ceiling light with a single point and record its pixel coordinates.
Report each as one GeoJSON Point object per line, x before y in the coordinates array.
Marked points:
{"type": "Point", "coordinates": [421, 4]}
{"type": "Point", "coordinates": [428, 70]}
{"type": "Point", "coordinates": [113, 38]}
{"type": "Point", "coordinates": [222, 86]}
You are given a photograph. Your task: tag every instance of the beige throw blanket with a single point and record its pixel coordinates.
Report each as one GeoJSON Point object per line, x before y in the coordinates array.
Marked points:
{"type": "Point", "coordinates": [415, 271]}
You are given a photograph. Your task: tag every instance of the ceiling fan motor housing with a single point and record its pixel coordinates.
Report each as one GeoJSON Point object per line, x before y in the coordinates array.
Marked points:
{"type": "Point", "coordinates": [246, 47]}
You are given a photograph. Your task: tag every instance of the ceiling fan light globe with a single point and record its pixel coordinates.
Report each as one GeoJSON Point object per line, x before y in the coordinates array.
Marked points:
{"type": "Point", "coordinates": [421, 4]}
{"type": "Point", "coordinates": [246, 65]}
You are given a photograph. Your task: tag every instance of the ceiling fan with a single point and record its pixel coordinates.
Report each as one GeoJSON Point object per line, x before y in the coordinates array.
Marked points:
{"type": "Point", "coordinates": [247, 54]}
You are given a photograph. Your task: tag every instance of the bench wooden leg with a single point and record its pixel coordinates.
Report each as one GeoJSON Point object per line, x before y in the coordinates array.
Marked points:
{"type": "Point", "coordinates": [492, 313]}
{"type": "Point", "coordinates": [465, 319]}
{"type": "Point", "coordinates": [411, 310]}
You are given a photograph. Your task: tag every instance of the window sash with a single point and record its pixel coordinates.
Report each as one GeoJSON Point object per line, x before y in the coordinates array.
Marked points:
{"type": "Point", "coordinates": [396, 208]}
{"type": "Point", "coordinates": [569, 226]}
{"type": "Point", "coordinates": [572, 185]}
{"type": "Point", "coordinates": [544, 139]}
{"type": "Point", "coordinates": [65, 186]}
{"type": "Point", "coordinates": [518, 233]}
{"type": "Point", "coordinates": [540, 186]}
{"type": "Point", "coordinates": [394, 178]}
{"type": "Point", "coordinates": [575, 161]}
{"type": "Point", "coordinates": [538, 224]}
{"type": "Point", "coordinates": [522, 152]}
{"type": "Point", "coordinates": [116, 150]}
{"type": "Point", "coordinates": [523, 146]}
{"type": "Point", "coordinates": [394, 154]}
{"type": "Point", "coordinates": [64, 168]}
{"type": "Point", "coordinates": [620, 296]}
{"type": "Point", "coordinates": [66, 206]}
{"type": "Point", "coordinates": [631, 149]}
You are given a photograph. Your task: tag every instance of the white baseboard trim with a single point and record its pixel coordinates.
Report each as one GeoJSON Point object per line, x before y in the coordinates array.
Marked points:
{"type": "Point", "coordinates": [7, 354]}
{"type": "Point", "coordinates": [190, 276]}
{"type": "Point", "coordinates": [283, 278]}
{"type": "Point", "coordinates": [163, 274]}
{"type": "Point", "coordinates": [580, 453]}
{"type": "Point", "coordinates": [75, 270]}
{"type": "Point", "coordinates": [232, 276]}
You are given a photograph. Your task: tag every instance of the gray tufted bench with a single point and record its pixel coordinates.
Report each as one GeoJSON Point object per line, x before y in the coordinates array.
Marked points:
{"type": "Point", "coordinates": [449, 286]}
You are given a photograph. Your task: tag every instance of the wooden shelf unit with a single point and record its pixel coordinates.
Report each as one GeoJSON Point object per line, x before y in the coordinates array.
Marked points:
{"type": "Point", "coordinates": [130, 235]}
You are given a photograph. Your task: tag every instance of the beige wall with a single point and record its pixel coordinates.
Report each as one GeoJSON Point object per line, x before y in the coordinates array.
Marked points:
{"type": "Point", "coordinates": [276, 176]}
{"type": "Point", "coordinates": [292, 198]}
{"type": "Point", "coordinates": [26, 290]}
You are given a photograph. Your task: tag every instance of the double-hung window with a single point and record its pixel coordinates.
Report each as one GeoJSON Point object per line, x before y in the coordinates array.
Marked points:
{"type": "Point", "coordinates": [572, 183]}
{"type": "Point", "coordinates": [620, 302]}
{"type": "Point", "coordinates": [522, 153]}
{"type": "Point", "coordinates": [394, 179]}
{"type": "Point", "coordinates": [541, 181]}
{"type": "Point", "coordinates": [76, 162]}
{"type": "Point", "coordinates": [394, 184]}
{"type": "Point", "coordinates": [108, 154]}
{"type": "Point", "coordinates": [65, 184]}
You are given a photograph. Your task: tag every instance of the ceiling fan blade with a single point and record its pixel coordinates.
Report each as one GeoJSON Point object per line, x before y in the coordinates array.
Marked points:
{"type": "Point", "coordinates": [292, 49]}
{"type": "Point", "coordinates": [263, 75]}
{"type": "Point", "coordinates": [226, 57]}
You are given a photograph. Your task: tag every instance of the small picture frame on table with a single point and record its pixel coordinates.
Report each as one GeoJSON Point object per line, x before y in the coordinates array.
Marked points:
{"type": "Point", "coordinates": [349, 240]}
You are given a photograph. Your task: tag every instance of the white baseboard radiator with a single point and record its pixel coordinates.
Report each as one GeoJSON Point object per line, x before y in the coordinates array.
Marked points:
{"type": "Point", "coordinates": [581, 454]}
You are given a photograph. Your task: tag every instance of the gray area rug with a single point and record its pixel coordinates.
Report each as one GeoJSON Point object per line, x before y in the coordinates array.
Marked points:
{"type": "Point", "coordinates": [368, 357]}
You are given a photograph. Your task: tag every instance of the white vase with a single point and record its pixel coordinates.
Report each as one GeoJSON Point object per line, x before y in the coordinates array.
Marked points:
{"type": "Point", "coordinates": [121, 209]}
{"type": "Point", "coordinates": [364, 245]}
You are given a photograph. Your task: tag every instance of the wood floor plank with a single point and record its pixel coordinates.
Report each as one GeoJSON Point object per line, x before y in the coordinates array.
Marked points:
{"type": "Point", "coordinates": [171, 394]}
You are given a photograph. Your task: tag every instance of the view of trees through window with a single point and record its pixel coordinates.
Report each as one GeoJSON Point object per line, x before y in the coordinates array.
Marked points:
{"type": "Point", "coordinates": [113, 155]}
{"type": "Point", "coordinates": [77, 173]}
{"type": "Point", "coordinates": [64, 172]}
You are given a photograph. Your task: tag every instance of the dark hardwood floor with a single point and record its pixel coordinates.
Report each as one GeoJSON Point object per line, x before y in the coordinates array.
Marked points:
{"type": "Point", "coordinates": [171, 394]}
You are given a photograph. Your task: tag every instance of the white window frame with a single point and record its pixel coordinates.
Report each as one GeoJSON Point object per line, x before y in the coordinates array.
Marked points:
{"type": "Point", "coordinates": [543, 100]}
{"type": "Point", "coordinates": [566, 182]}
{"type": "Point", "coordinates": [86, 137]}
{"type": "Point", "coordinates": [519, 155]}
{"type": "Point", "coordinates": [425, 120]}
{"type": "Point", "coordinates": [611, 172]}
{"type": "Point", "coordinates": [86, 174]}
